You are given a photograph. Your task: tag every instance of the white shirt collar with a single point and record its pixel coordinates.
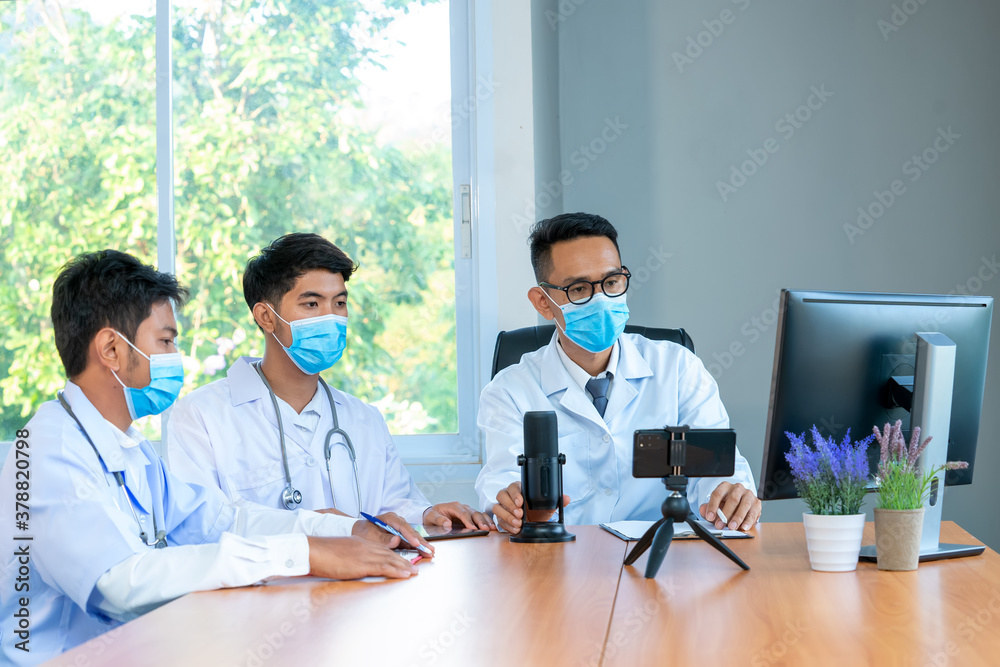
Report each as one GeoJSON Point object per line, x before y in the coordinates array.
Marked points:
{"type": "Point", "coordinates": [580, 376]}
{"type": "Point", "coordinates": [129, 439]}
{"type": "Point", "coordinates": [311, 415]}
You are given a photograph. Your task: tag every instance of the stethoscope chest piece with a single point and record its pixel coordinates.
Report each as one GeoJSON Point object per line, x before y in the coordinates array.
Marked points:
{"type": "Point", "coordinates": [291, 498]}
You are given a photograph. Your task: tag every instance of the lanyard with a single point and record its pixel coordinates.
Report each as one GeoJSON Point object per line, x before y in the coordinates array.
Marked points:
{"type": "Point", "coordinates": [161, 536]}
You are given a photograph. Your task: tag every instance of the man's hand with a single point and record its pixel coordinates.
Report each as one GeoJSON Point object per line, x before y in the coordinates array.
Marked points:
{"type": "Point", "coordinates": [738, 503]}
{"type": "Point", "coordinates": [369, 531]}
{"type": "Point", "coordinates": [443, 513]}
{"type": "Point", "coordinates": [510, 512]}
{"type": "Point", "coordinates": [353, 558]}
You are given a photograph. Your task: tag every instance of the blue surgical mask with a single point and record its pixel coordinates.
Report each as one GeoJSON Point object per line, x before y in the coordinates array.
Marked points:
{"type": "Point", "coordinates": [597, 324]}
{"type": "Point", "coordinates": [317, 342]}
{"type": "Point", "coordinates": [166, 377]}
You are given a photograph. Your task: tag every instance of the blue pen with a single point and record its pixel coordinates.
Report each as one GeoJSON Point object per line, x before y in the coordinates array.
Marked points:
{"type": "Point", "coordinates": [389, 529]}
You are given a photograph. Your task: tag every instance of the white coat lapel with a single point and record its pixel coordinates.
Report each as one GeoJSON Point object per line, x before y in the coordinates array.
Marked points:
{"type": "Point", "coordinates": [631, 368]}
{"type": "Point", "coordinates": [112, 455]}
{"type": "Point", "coordinates": [559, 386]}
{"type": "Point", "coordinates": [245, 386]}
{"type": "Point", "coordinates": [96, 427]}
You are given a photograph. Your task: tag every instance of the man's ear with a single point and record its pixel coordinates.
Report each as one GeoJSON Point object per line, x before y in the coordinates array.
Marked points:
{"type": "Point", "coordinates": [105, 347]}
{"type": "Point", "coordinates": [264, 317]}
{"type": "Point", "coordinates": [541, 302]}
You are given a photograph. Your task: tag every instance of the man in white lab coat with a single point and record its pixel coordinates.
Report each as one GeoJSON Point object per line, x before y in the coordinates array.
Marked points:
{"type": "Point", "coordinates": [226, 434]}
{"type": "Point", "coordinates": [99, 531]}
{"type": "Point", "coordinates": [603, 385]}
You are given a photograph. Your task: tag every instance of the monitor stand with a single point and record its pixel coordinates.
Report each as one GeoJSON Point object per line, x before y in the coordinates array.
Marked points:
{"type": "Point", "coordinates": [932, 388]}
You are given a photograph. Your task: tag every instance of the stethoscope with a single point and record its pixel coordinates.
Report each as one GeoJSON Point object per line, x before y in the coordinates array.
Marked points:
{"type": "Point", "coordinates": [291, 497]}
{"type": "Point", "coordinates": [161, 536]}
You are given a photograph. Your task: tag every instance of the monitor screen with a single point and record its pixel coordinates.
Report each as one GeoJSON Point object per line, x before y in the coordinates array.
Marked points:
{"type": "Point", "coordinates": [834, 354]}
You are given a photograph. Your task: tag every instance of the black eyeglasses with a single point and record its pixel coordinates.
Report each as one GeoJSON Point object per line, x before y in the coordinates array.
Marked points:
{"type": "Point", "coordinates": [583, 291]}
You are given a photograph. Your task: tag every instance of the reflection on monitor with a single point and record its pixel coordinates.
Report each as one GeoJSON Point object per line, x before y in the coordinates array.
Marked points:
{"type": "Point", "coordinates": [835, 353]}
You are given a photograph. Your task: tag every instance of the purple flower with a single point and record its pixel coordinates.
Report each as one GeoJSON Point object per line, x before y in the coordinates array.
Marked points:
{"type": "Point", "coordinates": [828, 452]}
{"type": "Point", "coordinates": [803, 461]}
{"type": "Point", "coordinates": [915, 449]}
{"type": "Point", "coordinates": [830, 476]}
{"type": "Point", "coordinates": [883, 441]}
{"type": "Point", "coordinates": [897, 444]}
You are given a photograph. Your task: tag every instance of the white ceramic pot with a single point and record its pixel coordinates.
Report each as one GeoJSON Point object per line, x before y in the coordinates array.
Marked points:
{"type": "Point", "coordinates": [834, 541]}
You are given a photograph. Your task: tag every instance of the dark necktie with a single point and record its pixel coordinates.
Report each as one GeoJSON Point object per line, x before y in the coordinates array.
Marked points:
{"type": "Point", "coordinates": [598, 388]}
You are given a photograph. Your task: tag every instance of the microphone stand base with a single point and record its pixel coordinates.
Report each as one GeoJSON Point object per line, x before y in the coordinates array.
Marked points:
{"type": "Point", "coordinates": [543, 531]}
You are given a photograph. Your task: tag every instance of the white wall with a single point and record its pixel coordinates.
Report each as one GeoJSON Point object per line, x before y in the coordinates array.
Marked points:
{"type": "Point", "coordinates": [712, 262]}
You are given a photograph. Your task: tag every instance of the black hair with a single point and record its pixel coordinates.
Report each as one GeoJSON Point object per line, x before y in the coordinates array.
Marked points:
{"type": "Point", "coordinates": [102, 289]}
{"type": "Point", "coordinates": [565, 227]}
{"type": "Point", "coordinates": [273, 272]}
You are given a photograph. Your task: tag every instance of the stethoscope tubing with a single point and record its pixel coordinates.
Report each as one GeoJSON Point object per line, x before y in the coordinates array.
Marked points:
{"type": "Point", "coordinates": [161, 536]}
{"type": "Point", "coordinates": [290, 496]}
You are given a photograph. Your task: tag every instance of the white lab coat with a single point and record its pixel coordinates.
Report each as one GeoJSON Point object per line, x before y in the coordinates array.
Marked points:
{"type": "Point", "coordinates": [87, 568]}
{"type": "Point", "coordinates": [225, 435]}
{"type": "Point", "coordinates": [657, 383]}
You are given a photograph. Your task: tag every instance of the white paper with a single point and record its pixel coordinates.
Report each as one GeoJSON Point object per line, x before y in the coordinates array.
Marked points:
{"type": "Point", "coordinates": [633, 530]}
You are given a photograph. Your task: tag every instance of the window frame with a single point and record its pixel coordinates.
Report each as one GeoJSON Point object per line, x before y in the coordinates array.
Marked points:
{"type": "Point", "coordinates": [465, 446]}
{"type": "Point", "coordinates": [436, 448]}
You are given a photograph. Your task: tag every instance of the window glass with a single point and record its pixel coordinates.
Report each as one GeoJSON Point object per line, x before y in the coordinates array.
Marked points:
{"type": "Point", "coordinates": [288, 116]}
{"type": "Point", "coordinates": [329, 118]}
{"type": "Point", "coordinates": [77, 136]}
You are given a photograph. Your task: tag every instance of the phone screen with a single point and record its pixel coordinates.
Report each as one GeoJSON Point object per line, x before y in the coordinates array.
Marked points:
{"type": "Point", "coordinates": [431, 533]}
{"type": "Point", "coordinates": [710, 453]}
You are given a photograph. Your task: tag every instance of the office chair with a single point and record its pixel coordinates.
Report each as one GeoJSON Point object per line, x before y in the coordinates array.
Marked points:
{"type": "Point", "coordinates": [512, 345]}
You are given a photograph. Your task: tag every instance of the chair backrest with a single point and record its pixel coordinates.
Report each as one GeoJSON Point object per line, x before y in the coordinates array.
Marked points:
{"type": "Point", "coordinates": [512, 345]}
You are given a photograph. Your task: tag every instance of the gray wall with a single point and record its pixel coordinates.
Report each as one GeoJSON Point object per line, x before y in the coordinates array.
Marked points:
{"type": "Point", "coordinates": [713, 261]}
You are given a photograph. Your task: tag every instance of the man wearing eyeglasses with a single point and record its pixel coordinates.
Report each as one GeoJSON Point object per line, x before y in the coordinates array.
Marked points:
{"type": "Point", "coordinates": [603, 384]}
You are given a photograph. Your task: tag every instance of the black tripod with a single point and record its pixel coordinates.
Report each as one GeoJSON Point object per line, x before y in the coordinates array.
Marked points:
{"type": "Point", "coordinates": [675, 509]}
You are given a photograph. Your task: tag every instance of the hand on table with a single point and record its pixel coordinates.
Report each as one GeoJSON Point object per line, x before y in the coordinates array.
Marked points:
{"type": "Point", "coordinates": [509, 509]}
{"type": "Point", "coordinates": [737, 502]}
{"type": "Point", "coordinates": [369, 531]}
{"type": "Point", "coordinates": [442, 514]}
{"type": "Point", "coordinates": [354, 558]}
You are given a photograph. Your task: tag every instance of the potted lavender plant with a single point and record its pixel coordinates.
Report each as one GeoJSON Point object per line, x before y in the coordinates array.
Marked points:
{"type": "Point", "coordinates": [831, 478]}
{"type": "Point", "coordinates": [902, 489]}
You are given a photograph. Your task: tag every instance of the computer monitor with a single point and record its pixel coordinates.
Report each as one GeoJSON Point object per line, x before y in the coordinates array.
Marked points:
{"type": "Point", "coordinates": [836, 355]}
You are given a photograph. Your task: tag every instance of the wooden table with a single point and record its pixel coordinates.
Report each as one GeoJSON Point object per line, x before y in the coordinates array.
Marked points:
{"type": "Point", "coordinates": [703, 610]}
{"type": "Point", "coordinates": [480, 601]}
{"type": "Point", "coordinates": [485, 601]}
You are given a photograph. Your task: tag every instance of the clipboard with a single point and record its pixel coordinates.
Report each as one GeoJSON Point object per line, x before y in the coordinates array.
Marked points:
{"type": "Point", "coordinates": [631, 531]}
